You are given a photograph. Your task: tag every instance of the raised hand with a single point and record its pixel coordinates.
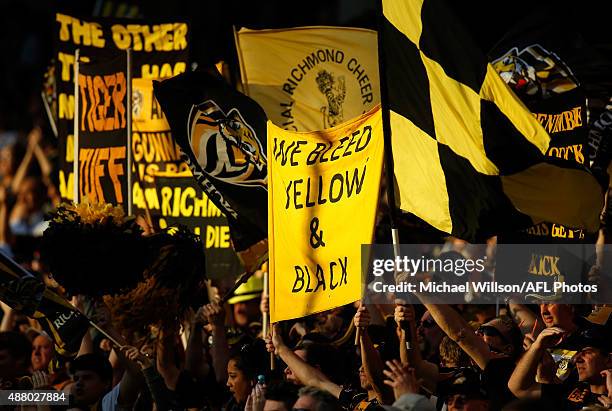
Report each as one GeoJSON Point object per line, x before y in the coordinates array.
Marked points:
{"type": "Point", "coordinates": [134, 355]}
{"type": "Point", "coordinates": [362, 317]}
{"type": "Point", "coordinates": [40, 380]}
{"type": "Point", "coordinates": [401, 378]}
{"type": "Point", "coordinates": [549, 337]}
{"type": "Point", "coordinates": [214, 314]}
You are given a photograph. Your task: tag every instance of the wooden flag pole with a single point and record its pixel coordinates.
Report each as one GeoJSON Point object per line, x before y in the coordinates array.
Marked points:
{"type": "Point", "coordinates": [129, 131]}
{"type": "Point", "coordinates": [75, 133]}
{"type": "Point", "coordinates": [266, 315]}
{"type": "Point", "coordinates": [106, 334]}
{"type": "Point", "coordinates": [272, 359]}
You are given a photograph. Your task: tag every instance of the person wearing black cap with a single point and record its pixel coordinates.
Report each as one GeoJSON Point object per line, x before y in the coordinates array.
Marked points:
{"type": "Point", "coordinates": [593, 362]}
{"type": "Point", "coordinates": [93, 377]}
{"type": "Point", "coordinates": [464, 389]}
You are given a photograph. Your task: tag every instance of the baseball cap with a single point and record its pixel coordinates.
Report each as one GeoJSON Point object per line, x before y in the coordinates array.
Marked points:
{"type": "Point", "coordinates": [249, 290]}
{"type": "Point", "coordinates": [463, 380]}
{"type": "Point", "coordinates": [93, 362]}
{"type": "Point", "coordinates": [595, 336]}
{"type": "Point", "coordinates": [505, 328]}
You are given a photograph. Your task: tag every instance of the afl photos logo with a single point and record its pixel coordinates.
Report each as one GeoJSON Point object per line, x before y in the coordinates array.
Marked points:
{"type": "Point", "coordinates": [226, 146]}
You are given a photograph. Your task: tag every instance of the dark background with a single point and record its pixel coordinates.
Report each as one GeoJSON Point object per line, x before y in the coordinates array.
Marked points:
{"type": "Point", "coordinates": [26, 32]}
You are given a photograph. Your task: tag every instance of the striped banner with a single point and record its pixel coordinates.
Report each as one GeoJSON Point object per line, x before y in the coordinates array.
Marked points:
{"type": "Point", "coordinates": [470, 159]}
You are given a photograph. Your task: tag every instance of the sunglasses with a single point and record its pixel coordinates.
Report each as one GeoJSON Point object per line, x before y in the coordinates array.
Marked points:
{"type": "Point", "coordinates": [427, 323]}
{"type": "Point", "coordinates": [490, 332]}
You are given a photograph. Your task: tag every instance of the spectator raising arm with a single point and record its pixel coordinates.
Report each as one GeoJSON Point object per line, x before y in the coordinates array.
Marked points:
{"type": "Point", "coordinates": [428, 372]}
{"type": "Point", "coordinates": [306, 373]}
{"type": "Point", "coordinates": [215, 316]}
{"type": "Point", "coordinates": [405, 388]}
{"type": "Point", "coordinates": [523, 383]}
{"type": "Point", "coordinates": [194, 353]}
{"type": "Point", "coordinates": [453, 324]}
{"type": "Point", "coordinates": [166, 365]}
{"type": "Point", "coordinates": [370, 359]}
{"type": "Point", "coordinates": [155, 382]}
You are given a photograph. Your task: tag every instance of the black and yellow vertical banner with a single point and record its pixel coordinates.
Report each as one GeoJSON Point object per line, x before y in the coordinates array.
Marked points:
{"type": "Point", "coordinates": [160, 49]}
{"type": "Point", "coordinates": [102, 121]}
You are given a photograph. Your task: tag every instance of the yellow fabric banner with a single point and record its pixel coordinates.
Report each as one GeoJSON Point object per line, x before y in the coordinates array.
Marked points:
{"type": "Point", "coordinates": [310, 78]}
{"type": "Point", "coordinates": [322, 195]}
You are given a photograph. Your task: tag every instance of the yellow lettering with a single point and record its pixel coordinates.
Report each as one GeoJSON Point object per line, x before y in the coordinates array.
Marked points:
{"type": "Point", "coordinates": [149, 40]}
{"type": "Point", "coordinates": [578, 155]}
{"type": "Point", "coordinates": [166, 194]}
{"type": "Point", "coordinates": [152, 198]}
{"type": "Point", "coordinates": [66, 106]}
{"type": "Point", "coordinates": [97, 39]}
{"type": "Point", "coordinates": [179, 68]}
{"type": "Point", "coordinates": [180, 36]}
{"type": "Point", "coordinates": [136, 147]}
{"type": "Point", "coordinates": [67, 63]}
{"type": "Point", "coordinates": [64, 21]}
{"type": "Point", "coordinates": [225, 236]}
{"type": "Point", "coordinates": [66, 187]}
{"type": "Point", "coordinates": [166, 70]}
{"type": "Point", "coordinates": [149, 71]}
{"type": "Point", "coordinates": [176, 207]}
{"type": "Point", "coordinates": [138, 197]}
{"type": "Point", "coordinates": [187, 209]}
{"type": "Point", "coordinates": [69, 148]}
{"type": "Point", "coordinates": [166, 36]}
{"type": "Point", "coordinates": [121, 37]}
{"type": "Point", "coordinates": [115, 169]}
{"type": "Point", "coordinates": [80, 33]}
{"type": "Point", "coordinates": [212, 239]}
{"type": "Point", "coordinates": [199, 206]}
{"type": "Point", "coordinates": [134, 30]}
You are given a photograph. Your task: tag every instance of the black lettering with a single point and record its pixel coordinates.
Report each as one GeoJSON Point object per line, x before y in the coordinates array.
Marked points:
{"type": "Point", "coordinates": [299, 278]}
{"type": "Point", "coordinates": [310, 160]}
{"type": "Point", "coordinates": [282, 153]}
{"type": "Point", "coordinates": [367, 98]}
{"type": "Point", "coordinates": [350, 184]}
{"type": "Point", "coordinates": [368, 130]}
{"type": "Point", "coordinates": [308, 289]}
{"type": "Point", "coordinates": [296, 149]}
{"type": "Point", "coordinates": [343, 268]}
{"type": "Point", "coordinates": [319, 199]}
{"type": "Point", "coordinates": [342, 140]}
{"type": "Point", "coordinates": [288, 197]}
{"type": "Point", "coordinates": [323, 159]}
{"type": "Point", "coordinates": [287, 88]}
{"type": "Point", "coordinates": [308, 202]}
{"type": "Point", "coordinates": [336, 177]}
{"type": "Point", "coordinates": [346, 150]}
{"type": "Point", "coordinates": [296, 193]}
{"type": "Point", "coordinates": [332, 285]}
{"type": "Point", "coordinates": [320, 278]}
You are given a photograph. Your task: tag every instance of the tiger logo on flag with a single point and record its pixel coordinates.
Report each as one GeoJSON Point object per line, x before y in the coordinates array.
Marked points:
{"type": "Point", "coordinates": [226, 146]}
{"type": "Point", "coordinates": [535, 71]}
{"type": "Point", "coordinates": [334, 90]}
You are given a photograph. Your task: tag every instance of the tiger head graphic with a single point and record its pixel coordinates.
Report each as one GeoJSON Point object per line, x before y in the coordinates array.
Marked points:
{"type": "Point", "coordinates": [535, 72]}
{"type": "Point", "coordinates": [226, 146]}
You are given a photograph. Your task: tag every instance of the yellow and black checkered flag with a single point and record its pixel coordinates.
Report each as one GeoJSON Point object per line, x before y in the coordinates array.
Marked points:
{"type": "Point", "coordinates": [469, 157]}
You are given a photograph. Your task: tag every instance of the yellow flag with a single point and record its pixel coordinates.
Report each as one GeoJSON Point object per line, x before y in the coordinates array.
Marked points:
{"type": "Point", "coordinates": [310, 78]}
{"type": "Point", "coordinates": [322, 195]}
